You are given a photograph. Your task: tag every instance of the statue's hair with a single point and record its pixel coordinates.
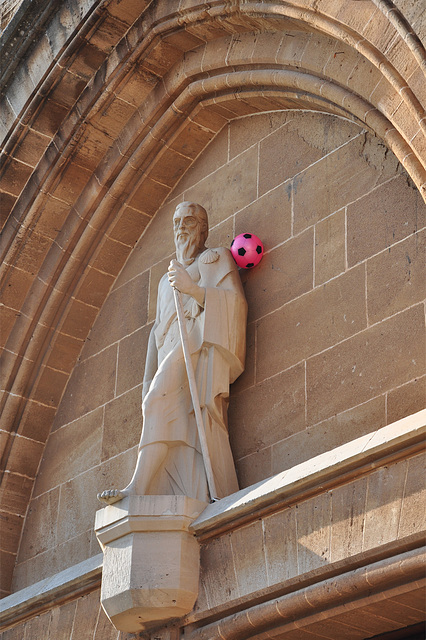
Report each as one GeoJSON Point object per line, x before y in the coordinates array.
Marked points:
{"type": "Point", "coordinates": [201, 215]}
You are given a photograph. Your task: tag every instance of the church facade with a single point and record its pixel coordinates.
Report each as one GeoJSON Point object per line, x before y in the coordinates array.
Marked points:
{"type": "Point", "coordinates": [302, 122]}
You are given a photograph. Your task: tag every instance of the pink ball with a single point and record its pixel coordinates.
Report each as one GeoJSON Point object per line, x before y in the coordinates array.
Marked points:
{"type": "Point", "coordinates": [247, 250]}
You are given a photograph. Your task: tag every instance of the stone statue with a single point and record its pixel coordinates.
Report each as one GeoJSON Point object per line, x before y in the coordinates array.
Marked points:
{"type": "Point", "coordinates": [169, 460]}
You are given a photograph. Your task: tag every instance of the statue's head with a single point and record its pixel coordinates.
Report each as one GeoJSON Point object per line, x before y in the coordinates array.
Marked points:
{"type": "Point", "coordinates": [190, 228]}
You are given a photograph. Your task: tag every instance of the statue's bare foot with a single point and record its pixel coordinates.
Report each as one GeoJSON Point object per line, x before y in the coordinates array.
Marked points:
{"type": "Point", "coordinates": [111, 495]}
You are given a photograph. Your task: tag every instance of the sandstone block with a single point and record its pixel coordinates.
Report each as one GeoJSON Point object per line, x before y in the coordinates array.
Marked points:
{"type": "Point", "coordinates": [338, 178]}
{"type": "Point", "coordinates": [98, 375]}
{"type": "Point", "coordinates": [7, 202]}
{"type": "Point", "coordinates": [94, 144]}
{"type": "Point", "coordinates": [269, 412]}
{"type": "Point", "coordinates": [383, 505]}
{"type": "Point", "coordinates": [94, 287]}
{"type": "Point", "coordinates": [107, 32]}
{"type": "Point", "coordinates": [191, 140]}
{"type": "Point", "coordinates": [348, 513]}
{"type": "Point", "coordinates": [398, 210]}
{"type": "Point", "coordinates": [73, 180]}
{"type": "Point", "coordinates": [111, 256]}
{"type": "Point", "coordinates": [117, 317]}
{"type": "Point", "coordinates": [131, 359]}
{"type": "Point", "coordinates": [407, 399]}
{"type": "Point", "coordinates": [237, 190]}
{"type": "Point", "coordinates": [122, 424]}
{"type": "Point", "coordinates": [330, 247]}
{"type": "Point", "coordinates": [253, 468]}
{"type": "Point", "coordinates": [249, 558]}
{"type": "Point", "coordinates": [61, 621]}
{"type": "Point", "coordinates": [48, 118]}
{"type": "Point", "coordinates": [15, 493]}
{"type": "Point", "coordinates": [281, 545]}
{"type": "Point", "coordinates": [21, 87]}
{"type": "Point", "coordinates": [396, 278]}
{"type": "Point", "coordinates": [314, 533]}
{"type": "Point", "coordinates": [312, 323]}
{"type": "Point", "coordinates": [327, 435]}
{"type": "Point", "coordinates": [413, 515]}
{"type": "Point", "coordinates": [268, 217]}
{"type": "Point", "coordinates": [86, 616]}
{"type": "Point", "coordinates": [24, 454]}
{"type": "Point", "coordinates": [129, 226]}
{"type": "Point", "coordinates": [87, 62]}
{"type": "Point", "coordinates": [70, 451]}
{"type": "Point", "coordinates": [79, 319]}
{"type": "Point", "coordinates": [283, 154]}
{"type": "Point", "coordinates": [284, 273]}
{"type": "Point", "coordinates": [377, 359]}
{"type": "Point", "coordinates": [49, 386]}
{"type": "Point", "coordinates": [11, 526]}
{"type": "Point", "coordinates": [148, 196]}
{"type": "Point", "coordinates": [14, 176]}
{"type": "Point", "coordinates": [213, 554]}
{"type": "Point", "coordinates": [67, 89]}
{"type": "Point", "coordinates": [170, 167]}
{"type": "Point", "coordinates": [215, 156]}
{"type": "Point", "coordinates": [241, 137]}
{"type": "Point", "coordinates": [40, 531]}
{"type": "Point", "coordinates": [161, 57]}
{"type": "Point", "coordinates": [31, 147]}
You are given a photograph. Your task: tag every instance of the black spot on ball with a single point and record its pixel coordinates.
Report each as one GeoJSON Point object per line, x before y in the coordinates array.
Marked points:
{"type": "Point", "coordinates": [258, 249]}
{"type": "Point", "coordinates": [232, 242]}
{"type": "Point", "coordinates": [249, 265]}
{"type": "Point", "coordinates": [247, 235]}
{"type": "Point", "coordinates": [241, 251]}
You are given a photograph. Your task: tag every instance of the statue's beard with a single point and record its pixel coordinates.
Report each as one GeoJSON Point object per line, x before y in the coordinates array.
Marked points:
{"type": "Point", "coordinates": [188, 247]}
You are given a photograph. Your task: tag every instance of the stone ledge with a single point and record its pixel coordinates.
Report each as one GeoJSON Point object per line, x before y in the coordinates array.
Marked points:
{"type": "Point", "coordinates": [317, 475]}
{"type": "Point", "coordinates": [348, 591]}
{"type": "Point", "coordinates": [39, 597]}
{"type": "Point", "coordinates": [333, 468]}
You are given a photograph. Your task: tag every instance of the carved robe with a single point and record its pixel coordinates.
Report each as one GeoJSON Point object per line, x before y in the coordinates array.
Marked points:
{"type": "Point", "coordinates": [217, 344]}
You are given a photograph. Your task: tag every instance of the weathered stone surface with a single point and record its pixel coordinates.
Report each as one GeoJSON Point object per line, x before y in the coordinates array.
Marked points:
{"type": "Point", "coordinates": [398, 212]}
{"type": "Point", "coordinates": [330, 247]}
{"type": "Point", "coordinates": [99, 372]}
{"type": "Point", "coordinates": [412, 516]}
{"type": "Point", "coordinates": [352, 366]}
{"type": "Point", "coordinates": [269, 412]}
{"type": "Point", "coordinates": [122, 423]}
{"type": "Point", "coordinates": [326, 435]}
{"type": "Point", "coordinates": [116, 319]}
{"type": "Point", "coordinates": [312, 323]}
{"type": "Point", "coordinates": [268, 217]}
{"type": "Point", "coordinates": [396, 278]}
{"type": "Point", "coordinates": [284, 273]}
{"type": "Point", "coordinates": [69, 451]}
{"type": "Point", "coordinates": [248, 550]}
{"type": "Point", "coordinates": [131, 359]}
{"type": "Point", "coordinates": [280, 535]}
{"type": "Point", "coordinates": [238, 189]}
{"type": "Point", "coordinates": [40, 532]}
{"type": "Point", "coordinates": [407, 399]}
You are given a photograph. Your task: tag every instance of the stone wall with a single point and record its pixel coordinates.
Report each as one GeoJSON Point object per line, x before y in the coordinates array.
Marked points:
{"type": "Point", "coordinates": [81, 619]}
{"type": "Point", "coordinates": [334, 328]}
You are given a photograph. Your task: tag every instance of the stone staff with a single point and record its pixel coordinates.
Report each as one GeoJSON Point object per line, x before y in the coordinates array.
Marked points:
{"type": "Point", "coordinates": [194, 395]}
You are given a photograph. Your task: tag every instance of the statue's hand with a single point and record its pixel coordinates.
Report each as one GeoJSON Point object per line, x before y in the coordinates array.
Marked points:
{"type": "Point", "coordinates": [180, 279]}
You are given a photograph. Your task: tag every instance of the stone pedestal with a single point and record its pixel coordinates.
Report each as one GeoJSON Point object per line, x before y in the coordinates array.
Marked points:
{"type": "Point", "coordinates": [151, 562]}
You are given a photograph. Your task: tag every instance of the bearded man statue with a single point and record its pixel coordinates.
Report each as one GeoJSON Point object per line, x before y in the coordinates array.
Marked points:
{"type": "Point", "coordinates": [169, 460]}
